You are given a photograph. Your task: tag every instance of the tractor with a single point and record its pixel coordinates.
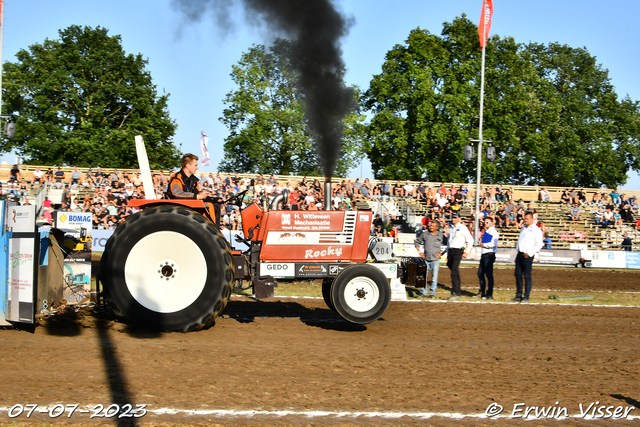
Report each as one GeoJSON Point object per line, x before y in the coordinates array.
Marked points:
{"type": "Point", "coordinates": [168, 267]}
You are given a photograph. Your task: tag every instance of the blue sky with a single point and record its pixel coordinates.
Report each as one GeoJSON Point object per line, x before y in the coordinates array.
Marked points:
{"type": "Point", "coordinates": [192, 61]}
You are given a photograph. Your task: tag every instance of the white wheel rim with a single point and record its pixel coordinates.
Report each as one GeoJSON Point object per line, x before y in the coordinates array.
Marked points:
{"type": "Point", "coordinates": [165, 271]}
{"type": "Point", "coordinates": [361, 294]}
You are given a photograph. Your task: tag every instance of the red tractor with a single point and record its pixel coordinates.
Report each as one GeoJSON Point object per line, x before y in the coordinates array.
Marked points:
{"type": "Point", "coordinates": [169, 268]}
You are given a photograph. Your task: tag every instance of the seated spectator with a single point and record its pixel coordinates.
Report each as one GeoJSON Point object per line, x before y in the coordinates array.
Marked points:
{"type": "Point", "coordinates": [500, 196]}
{"type": "Point", "coordinates": [544, 195]}
{"type": "Point", "coordinates": [397, 189]}
{"type": "Point", "coordinates": [75, 176]}
{"type": "Point", "coordinates": [597, 199]}
{"type": "Point", "coordinates": [547, 241]}
{"type": "Point", "coordinates": [421, 191]}
{"type": "Point", "coordinates": [15, 173]}
{"type": "Point", "coordinates": [501, 218]}
{"type": "Point", "coordinates": [607, 218]}
{"type": "Point", "coordinates": [565, 198]}
{"type": "Point", "coordinates": [519, 220]}
{"type": "Point", "coordinates": [582, 196]}
{"type": "Point", "coordinates": [37, 177]}
{"type": "Point", "coordinates": [365, 189]}
{"type": "Point", "coordinates": [408, 189]}
{"type": "Point", "coordinates": [575, 213]}
{"type": "Point", "coordinates": [617, 218]}
{"type": "Point", "coordinates": [598, 216]}
{"type": "Point", "coordinates": [615, 197]}
{"type": "Point", "coordinates": [58, 177]}
{"type": "Point", "coordinates": [23, 188]}
{"type": "Point", "coordinates": [385, 189]}
{"type": "Point", "coordinates": [464, 191]}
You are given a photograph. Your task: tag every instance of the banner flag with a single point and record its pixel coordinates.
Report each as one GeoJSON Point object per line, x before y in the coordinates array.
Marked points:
{"type": "Point", "coordinates": [485, 21]}
{"type": "Point", "coordinates": [204, 141]}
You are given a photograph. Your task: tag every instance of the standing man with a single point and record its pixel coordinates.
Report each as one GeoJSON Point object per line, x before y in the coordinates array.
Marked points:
{"type": "Point", "coordinates": [529, 243]}
{"type": "Point", "coordinates": [458, 247]}
{"type": "Point", "coordinates": [432, 240]}
{"type": "Point", "coordinates": [489, 247]}
{"type": "Point", "coordinates": [626, 242]}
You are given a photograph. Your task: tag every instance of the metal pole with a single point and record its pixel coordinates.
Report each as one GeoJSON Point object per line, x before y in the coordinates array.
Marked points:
{"type": "Point", "coordinates": [476, 225]}
{"type": "Point", "coordinates": [1, 44]}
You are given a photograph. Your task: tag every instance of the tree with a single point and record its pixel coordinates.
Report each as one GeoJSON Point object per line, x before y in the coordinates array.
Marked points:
{"type": "Point", "coordinates": [551, 111]}
{"type": "Point", "coordinates": [81, 101]}
{"type": "Point", "coordinates": [265, 116]}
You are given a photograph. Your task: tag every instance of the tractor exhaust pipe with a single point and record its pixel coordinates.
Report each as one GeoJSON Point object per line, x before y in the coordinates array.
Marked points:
{"type": "Point", "coordinates": [327, 195]}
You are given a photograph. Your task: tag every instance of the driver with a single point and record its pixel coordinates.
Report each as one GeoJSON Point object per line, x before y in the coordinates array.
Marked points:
{"type": "Point", "coordinates": [184, 185]}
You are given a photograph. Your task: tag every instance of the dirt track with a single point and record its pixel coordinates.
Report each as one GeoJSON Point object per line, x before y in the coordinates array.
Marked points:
{"type": "Point", "coordinates": [296, 355]}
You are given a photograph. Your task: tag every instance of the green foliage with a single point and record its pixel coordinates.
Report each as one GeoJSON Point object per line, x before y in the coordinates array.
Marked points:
{"type": "Point", "coordinates": [265, 116]}
{"type": "Point", "coordinates": [551, 111]}
{"type": "Point", "coordinates": [81, 101]}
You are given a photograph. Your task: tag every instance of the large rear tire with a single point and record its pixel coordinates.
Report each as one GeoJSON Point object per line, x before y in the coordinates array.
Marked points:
{"type": "Point", "coordinates": [326, 293]}
{"type": "Point", "coordinates": [361, 294]}
{"type": "Point", "coordinates": [167, 268]}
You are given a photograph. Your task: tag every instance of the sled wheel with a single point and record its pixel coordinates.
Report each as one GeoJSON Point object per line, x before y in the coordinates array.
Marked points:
{"type": "Point", "coordinates": [326, 293]}
{"type": "Point", "coordinates": [361, 294]}
{"type": "Point", "coordinates": [167, 268]}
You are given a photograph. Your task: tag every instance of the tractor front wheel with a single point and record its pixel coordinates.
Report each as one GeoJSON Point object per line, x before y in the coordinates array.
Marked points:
{"type": "Point", "coordinates": [360, 294]}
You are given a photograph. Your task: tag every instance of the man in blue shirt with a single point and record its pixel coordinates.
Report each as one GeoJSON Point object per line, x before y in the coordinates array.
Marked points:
{"type": "Point", "coordinates": [489, 245]}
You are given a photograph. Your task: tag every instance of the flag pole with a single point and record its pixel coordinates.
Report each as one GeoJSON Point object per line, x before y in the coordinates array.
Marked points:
{"type": "Point", "coordinates": [476, 225]}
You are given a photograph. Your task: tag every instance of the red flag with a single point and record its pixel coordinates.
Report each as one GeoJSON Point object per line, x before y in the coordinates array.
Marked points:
{"type": "Point", "coordinates": [485, 21]}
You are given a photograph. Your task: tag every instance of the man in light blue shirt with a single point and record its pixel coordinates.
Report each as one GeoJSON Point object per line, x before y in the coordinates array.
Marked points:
{"type": "Point", "coordinates": [489, 245]}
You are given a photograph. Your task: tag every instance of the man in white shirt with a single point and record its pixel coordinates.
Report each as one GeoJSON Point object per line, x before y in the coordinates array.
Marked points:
{"type": "Point", "coordinates": [459, 245]}
{"type": "Point", "coordinates": [489, 245]}
{"type": "Point", "coordinates": [529, 243]}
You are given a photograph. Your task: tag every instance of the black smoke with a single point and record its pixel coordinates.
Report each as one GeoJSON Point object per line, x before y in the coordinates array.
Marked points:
{"type": "Point", "coordinates": [316, 28]}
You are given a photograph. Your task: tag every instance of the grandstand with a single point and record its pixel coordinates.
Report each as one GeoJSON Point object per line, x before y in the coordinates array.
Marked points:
{"type": "Point", "coordinates": [563, 232]}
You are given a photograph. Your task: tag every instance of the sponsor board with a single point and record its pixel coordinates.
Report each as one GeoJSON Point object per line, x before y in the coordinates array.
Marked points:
{"type": "Point", "coordinates": [335, 269]}
{"type": "Point", "coordinates": [292, 238]}
{"type": "Point", "coordinates": [21, 219]}
{"type": "Point", "coordinates": [22, 266]}
{"type": "Point", "coordinates": [559, 256]}
{"type": "Point", "coordinates": [74, 220]}
{"type": "Point", "coordinates": [390, 270]}
{"type": "Point", "coordinates": [312, 270]}
{"type": "Point", "coordinates": [278, 270]}
{"type": "Point", "coordinates": [301, 221]}
{"type": "Point", "coordinates": [633, 259]}
{"type": "Point", "coordinates": [100, 238]}
{"type": "Point", "coordinates": [398, 291]}
{"type": "Point", "coordinates": [608, 259]}
{"type": "Point", "coordinates": [405, 250]}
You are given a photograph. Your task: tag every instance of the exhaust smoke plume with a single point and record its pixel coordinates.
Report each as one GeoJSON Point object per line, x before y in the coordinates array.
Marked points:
{"type": "Point", "coordinates": [316, 27]}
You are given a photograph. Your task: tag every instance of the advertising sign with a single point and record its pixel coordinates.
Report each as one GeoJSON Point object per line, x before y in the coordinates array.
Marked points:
{"type": "Point", "coordinates": [77, 265]}
{"type": "Point", "coordinates": [312, 270]}
{"type": "Point", "coordinates": [608, 259]}
{"type": "Point", "coordinates": [559, 256]}
{"type": "Point", "coordinates": [278, 270]}
{"type": "Point", "coordinates": [633, 259]}
{"type": "Point", "coordinates": [21, 219]}
{"type": "Point", "coordinates": [21, 280]}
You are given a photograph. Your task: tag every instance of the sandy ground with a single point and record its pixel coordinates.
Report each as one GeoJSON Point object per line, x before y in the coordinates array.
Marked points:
{"type": "Point", "coordinates": [292, 361]}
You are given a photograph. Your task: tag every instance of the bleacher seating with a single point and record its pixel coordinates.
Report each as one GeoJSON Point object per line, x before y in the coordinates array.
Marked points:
{"type": "Point", "coordinates": [562, 231]}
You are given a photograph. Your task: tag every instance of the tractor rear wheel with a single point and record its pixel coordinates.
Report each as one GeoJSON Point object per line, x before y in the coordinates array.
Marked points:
{"type": "Point", "coordinates": [167, 268]}
{"type": "Point", "coordinates": [361, 294]}
{"type": "Point", "coordinates": [326, 293]}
